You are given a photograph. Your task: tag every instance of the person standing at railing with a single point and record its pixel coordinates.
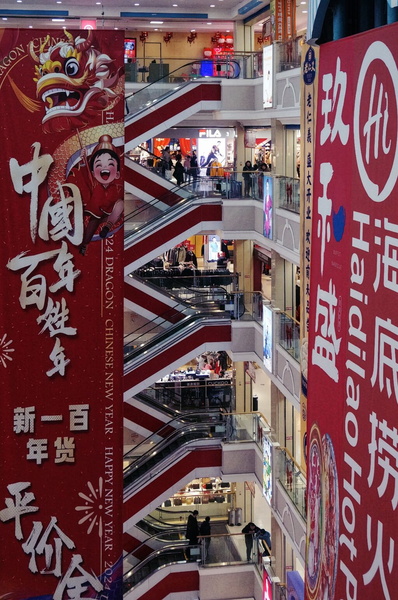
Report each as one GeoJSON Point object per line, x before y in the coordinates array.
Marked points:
{"type": "Point", "coordinates": [192, 531]}
{"type": "Point", "coordinates": [179, 170]}
{"type": "Point", "coordinates": [247, 173]}
{"type": "Point", "coordinates": [194, 170]}
{"type": "Point", "coordinates": [205, 530]}
{"type": "Point", "coordinates": [249, 530]}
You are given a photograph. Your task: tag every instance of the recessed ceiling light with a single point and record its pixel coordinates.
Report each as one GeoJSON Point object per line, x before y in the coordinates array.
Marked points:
{"type": "Point", "coordinates": [59, 1]}
{"type": "Point", "coordinates": [303, 2]}
{"type": "Point", "coordinates": [4, 19]}
{"type": "Point", "coordinates": [58, 20]}
{"type": "Point", "coordinates": [19, 0]}
{"type": "Point", "coordinates": [156, 22]}
{"type": "Point", "coordinates": [156, 29]}
{"type": "Point", "coordinates": [210, 23]}
{"type": "Point", "coordinates": [304, 12]}
{"type": "Point", "coordinates": [30, 26]}
{"type": "Point", "coordinates": [212, 5]}
{"type": "Point", "coordinates": [116, 28]}
{"type": "Point", "coordinates": [193, 30]}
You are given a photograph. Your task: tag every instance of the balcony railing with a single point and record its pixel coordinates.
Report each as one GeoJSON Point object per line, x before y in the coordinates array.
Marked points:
{"type": "Point", "coordinates": [292, 479]}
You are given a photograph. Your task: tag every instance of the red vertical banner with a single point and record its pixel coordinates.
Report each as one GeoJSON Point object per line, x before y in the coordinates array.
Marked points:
{"type": "Point", "coordinates": [352, 471]}
{"type": "Point", "coordinates": [289, 20]}
{"type": "Point", "coordinates": [61, 315]}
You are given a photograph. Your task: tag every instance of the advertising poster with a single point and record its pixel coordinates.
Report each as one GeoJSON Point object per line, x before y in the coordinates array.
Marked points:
{"type": "Point", "coordinates": [267, 337]}
{"type": "Point", "coordinates": [61, 313]}
{"type": "Point", "coordinates": [267, 206]}
{"type": "Point", "coordinates": [352, 471]}
{"type": "Point", "coordinates": [210, 150]}
{"type": "Point", "coordinates": [267, 470]}
{"type": "Point", "coordinates": [268, 76]}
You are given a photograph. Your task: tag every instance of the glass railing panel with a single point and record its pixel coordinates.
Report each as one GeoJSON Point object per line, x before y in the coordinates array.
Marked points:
{"type": "Point", "coordinates": [289, 55]}
{"type": "Point", "coordinates": [289, 334]}
{"type": "Point", "coordinates": [288, 193]}
{"type": "Point", "coordinates": [292, 479]}
{"type": "Point", "coordinates": [246, 427]}
{"type": "Point", "coordinates": [230, 549]}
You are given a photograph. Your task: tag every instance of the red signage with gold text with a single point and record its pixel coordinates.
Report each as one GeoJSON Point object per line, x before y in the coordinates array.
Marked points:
{"type": "Point", "coordinates": [61, 360]}
{"type": "Point", "coordinates": [352, 477]}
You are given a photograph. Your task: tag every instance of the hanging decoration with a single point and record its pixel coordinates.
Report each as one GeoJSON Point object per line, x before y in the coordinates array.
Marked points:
{"type": "Point", "coordinates": [260, 40]}
{"type": "Point", "coordinates": [167, 37]}
{"type": "Point", "coordinates": [223, 41]}
{"type": "Point", "coordinates": [192, 37]}
{"type": "Point", "coordinates": [143, 36]}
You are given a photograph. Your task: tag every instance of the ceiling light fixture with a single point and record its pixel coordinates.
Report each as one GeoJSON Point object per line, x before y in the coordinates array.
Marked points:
{"type": "Point", "coordinates": [156, 22]}
{"type": "Point", "coordinates": [58, 20]}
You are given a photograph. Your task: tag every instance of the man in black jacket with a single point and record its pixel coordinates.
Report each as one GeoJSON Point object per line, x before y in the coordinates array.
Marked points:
{"type": "Point", "coordinates": [249, 530]}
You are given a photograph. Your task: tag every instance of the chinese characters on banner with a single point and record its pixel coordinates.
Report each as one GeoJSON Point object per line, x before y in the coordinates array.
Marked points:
{"type": "Point", "coordinates": [352, 471]}
{"type": "Point", "coordinates": [61, 313]}
{"type": "Point", "coordinates": [308, 114]}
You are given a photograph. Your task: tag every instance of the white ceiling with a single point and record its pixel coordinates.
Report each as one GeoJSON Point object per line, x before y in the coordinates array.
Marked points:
{"type": "Point", "coordinates": [177, 15]}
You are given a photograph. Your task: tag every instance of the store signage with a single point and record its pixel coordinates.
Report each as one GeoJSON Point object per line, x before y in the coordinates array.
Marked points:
{"type": "Point", "coordinates": [88, 24]}
{"type": "Point", "coordinates": [61, 314]}
{"type": "Point", "coordinates": [211, 133]}
{"type": "Point", "coordinates": [352, 533]}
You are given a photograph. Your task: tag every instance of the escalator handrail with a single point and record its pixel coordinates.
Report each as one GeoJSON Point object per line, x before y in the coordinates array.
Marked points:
{"type": "Point", "coordinates": [154, 536]}
{"type": "Point", "coordinates": [194, 415]}
{"type": "Point", "coordinates": [131, 472]}
{"type": "Point", "coordinates": [181, 84]}
{"type": "Point", "coordinates": [189, 311]}
{"type": "Point", "coordinates": [176, 331]}
{"type": "Point", "coordinates": [171, 213]}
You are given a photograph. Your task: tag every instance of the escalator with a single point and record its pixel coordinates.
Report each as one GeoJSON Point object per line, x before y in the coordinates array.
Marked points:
{"type": "Point", "coordinates": [190, 216]}
{"type": "Point", "coordinates": [168, 350]}
{"type": "Point", "coordinates": [158, 473]}
{"type": "Point", "coordinates": [171, 99]}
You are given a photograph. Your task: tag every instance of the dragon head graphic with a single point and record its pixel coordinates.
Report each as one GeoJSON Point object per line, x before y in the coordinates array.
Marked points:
{"type": "Point", "coordinates": [74, 81]}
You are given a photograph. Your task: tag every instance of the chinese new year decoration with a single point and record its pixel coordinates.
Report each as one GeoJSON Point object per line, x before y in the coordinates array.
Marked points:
{"type": "Point", "coordinates": [192, 37]}
{"type": "Point", "coordinates": [143, 36]}
{"type": "Point", "coordinates": [167, 37]}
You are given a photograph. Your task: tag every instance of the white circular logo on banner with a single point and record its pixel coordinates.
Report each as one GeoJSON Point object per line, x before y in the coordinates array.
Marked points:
{"type": "Point", "coordinates": [375, 139]}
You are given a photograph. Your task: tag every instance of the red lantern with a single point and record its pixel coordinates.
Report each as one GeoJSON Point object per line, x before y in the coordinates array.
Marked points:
{"type": "Point", "coordinates": [167, 37]}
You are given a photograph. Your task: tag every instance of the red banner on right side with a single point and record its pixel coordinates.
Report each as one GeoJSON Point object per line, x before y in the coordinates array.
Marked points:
{"type": "Point", "coordinates": [352, 477]}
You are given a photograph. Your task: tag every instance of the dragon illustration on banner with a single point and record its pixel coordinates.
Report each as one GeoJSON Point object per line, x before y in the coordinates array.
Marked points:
{"type": "Point", "coordinates": [74, 81]}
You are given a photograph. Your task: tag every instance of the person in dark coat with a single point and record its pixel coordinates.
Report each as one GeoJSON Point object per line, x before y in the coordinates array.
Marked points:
{"type": "Point", "coordinates": [179, 170]}
{"type": "Point", "coordinates": [249, 530]}
{"type": "Point", "coordinates": [192, 531]}
{"type": "Point", "coordinates": [205, 529]}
